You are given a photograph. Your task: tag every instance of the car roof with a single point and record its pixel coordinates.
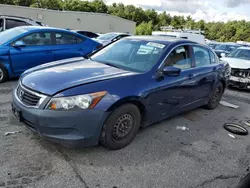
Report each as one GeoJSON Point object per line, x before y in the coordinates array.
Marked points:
{"type": "Point", "coordinates": [244, 48]}
{"type": "Point", "coordinates": [161, 39]}
{"type": "Point", "coordinates": [117, 33]}
{"type": "Point", "coordinates": [230, 43]}
{"type": "Point", "coordinates": [34, 28]}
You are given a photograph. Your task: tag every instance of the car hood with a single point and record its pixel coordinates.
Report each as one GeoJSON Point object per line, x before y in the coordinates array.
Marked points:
{"type": "Point", "coordinates": [237, 63]}
{"type": "Point", "coordinates": [52, 78]}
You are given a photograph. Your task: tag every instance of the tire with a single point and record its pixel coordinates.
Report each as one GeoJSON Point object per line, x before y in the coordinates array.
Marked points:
{"type": "Point", "coordinates": [121, 127]}
{"type": "Point", "coordinates": [232, 127]}
{"type": "Point", "coordinates": [3, 74]}
{"type": "Point", "coordinates": [215, 97]}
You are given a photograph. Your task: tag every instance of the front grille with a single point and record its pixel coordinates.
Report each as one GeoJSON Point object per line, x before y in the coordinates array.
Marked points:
{"type": "Point", "coordinates": [242, 73]}
{"type": "Point", "coordinates": [26, 97]}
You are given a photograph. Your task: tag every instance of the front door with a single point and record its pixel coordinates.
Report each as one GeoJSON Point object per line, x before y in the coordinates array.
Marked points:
{"type": "Point", "coordinates": [37, 51]}
{"type": "Point", "coordinates": [171, 93]}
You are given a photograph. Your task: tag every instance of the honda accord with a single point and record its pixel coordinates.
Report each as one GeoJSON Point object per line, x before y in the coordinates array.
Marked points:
{"type": "Point", "coordinates": [108, 96]}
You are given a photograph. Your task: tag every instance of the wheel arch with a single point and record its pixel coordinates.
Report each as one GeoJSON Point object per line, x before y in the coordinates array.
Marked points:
{"type": "Point", "coordinates": [135, 100]}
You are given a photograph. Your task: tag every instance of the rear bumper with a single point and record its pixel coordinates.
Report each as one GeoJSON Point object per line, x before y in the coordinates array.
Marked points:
{"type": "Point", "coordinates": [69, 128]}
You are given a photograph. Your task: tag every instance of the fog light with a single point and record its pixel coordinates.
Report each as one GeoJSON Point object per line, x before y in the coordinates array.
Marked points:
{"type": "Point", "coordinates": [248, 87]}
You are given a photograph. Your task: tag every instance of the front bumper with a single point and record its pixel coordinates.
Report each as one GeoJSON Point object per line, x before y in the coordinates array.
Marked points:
{"type": "Point", "coordinates": [241, 83]}
{"type": "Point", "coordinates": [69, 128]}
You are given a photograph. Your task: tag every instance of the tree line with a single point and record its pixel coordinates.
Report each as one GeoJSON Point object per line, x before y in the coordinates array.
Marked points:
{"type": "Point", "coordinates": [147, 20]}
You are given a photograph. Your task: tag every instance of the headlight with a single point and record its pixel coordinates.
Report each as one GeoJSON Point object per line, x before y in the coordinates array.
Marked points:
{"type": "Point", "coordinates": [76, 102]}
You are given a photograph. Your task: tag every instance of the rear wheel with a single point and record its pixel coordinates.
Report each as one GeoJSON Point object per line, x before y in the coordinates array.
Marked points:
{"type": "Point", "coordinates": [3, 74]}
{"type": "Point", "coordinates": [215, 97]}
{"type": "Point", "coordinates": [121, 127]}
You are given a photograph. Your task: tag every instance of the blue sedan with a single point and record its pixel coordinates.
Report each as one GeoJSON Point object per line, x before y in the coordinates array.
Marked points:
{"type": "Point", "coordinates": [129, 84]}
{"type": "Point", "coordinates": [22, 48]}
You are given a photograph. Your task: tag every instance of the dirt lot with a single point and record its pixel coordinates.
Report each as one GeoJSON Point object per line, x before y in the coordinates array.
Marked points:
{"type": "Point", "coordinates": [160, 156]}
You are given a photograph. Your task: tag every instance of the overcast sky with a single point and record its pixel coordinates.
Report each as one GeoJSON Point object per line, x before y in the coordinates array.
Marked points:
{"type": "Point", "coordinates": [209, 10]}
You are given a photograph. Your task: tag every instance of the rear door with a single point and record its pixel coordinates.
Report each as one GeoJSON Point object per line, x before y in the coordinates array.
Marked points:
{"type": "Point", "coordinates": [70, 45]}
{"type": "Point", "coordinates": [205, 72]}
{"type": "Point", "coordinates": [36, 52]}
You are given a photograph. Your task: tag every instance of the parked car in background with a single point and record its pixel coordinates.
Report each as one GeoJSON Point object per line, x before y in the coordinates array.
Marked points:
{"type": "Point", "coordinates": [129, 84]}
{"type": "Point", "coordinates": [199, 38]}
{"type": "Point", "coordinates": [225, 48]}
{"type": "Point", "coordinates": [213, 45]}
{"type": "Point", "coordinates": [8, 22]}
{"type": "Point", "coordinates": [107, 38]}
{"type": "Point", "coordinates": [22, 48]}
{"type": "Point", "coordinates": [87, 33]}
{"type": "Point", "coordinates": [239, 61]}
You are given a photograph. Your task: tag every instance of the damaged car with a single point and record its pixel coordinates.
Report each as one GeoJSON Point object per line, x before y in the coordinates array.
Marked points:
{"type": "Point", "coordinates": [22, 48]}
{"type": "Point", "coordinates": [107, 97]}
{"type": "Point", "coordinates": [239, 61]}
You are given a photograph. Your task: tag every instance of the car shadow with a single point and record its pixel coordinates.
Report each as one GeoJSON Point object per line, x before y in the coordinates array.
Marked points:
{"type": "Point", "coordinates": [154, 142]}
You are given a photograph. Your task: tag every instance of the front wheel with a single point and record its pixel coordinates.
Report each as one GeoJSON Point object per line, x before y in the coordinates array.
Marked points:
{"type": "Point", "coordinates": [120, 127]}
{"type": "Point", "coordinates": [3, 74]}
{"type": "Point", "coordinates": [215, 97]}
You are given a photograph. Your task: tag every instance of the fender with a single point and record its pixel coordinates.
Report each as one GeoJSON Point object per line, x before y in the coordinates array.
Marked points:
{"type": "Point", "coordinates": [5, 60]}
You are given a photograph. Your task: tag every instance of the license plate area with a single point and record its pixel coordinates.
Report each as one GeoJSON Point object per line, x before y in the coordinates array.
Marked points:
{"type": "Point", "coordinates": [17, 113]}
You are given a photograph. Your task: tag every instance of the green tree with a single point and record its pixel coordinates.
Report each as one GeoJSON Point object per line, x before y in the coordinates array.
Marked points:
{"type": "Point", "coordinates": [99, 6]}
{"type": "Point", "coordinates": [7, 2]}
{"type": "Point", "coordinates": [48, 4]}
{"type": "Point", "coordinates": [25, 3]}
{"type": "Point", "coordinates": [144, 28]}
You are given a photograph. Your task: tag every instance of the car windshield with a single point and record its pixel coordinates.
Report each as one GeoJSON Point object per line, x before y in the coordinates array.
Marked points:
{"type": "Point", "coordinates": [226, 47]}
{"type": "Point", "coordinates": [10, 34]}
{"type": "Point", "coordinates": [133, 55]}
{"type": "Point", "coordinates": [240, 53]}
{"type": "Point", "coordinates": [107, 36]}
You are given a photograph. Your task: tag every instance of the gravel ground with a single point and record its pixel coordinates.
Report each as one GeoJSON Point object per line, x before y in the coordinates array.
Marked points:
{"type": "Point", "coordinates": [160, 156]}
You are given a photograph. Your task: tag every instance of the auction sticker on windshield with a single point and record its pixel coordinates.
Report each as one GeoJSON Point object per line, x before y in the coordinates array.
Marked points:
{"type": "Point", "coordinates": [156, 45]}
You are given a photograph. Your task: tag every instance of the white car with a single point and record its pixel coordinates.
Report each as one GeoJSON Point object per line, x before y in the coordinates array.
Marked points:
{"type": "Point", "coordinates": [239, 61]}
{"type": "Point", "coordinates": [199, 38]}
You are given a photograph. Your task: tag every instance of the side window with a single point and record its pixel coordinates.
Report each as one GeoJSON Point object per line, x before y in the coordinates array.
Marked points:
{"type": "Point", "coordinates": [93, 35]}
{"type": "Point", "coordinates": [201, 56]}
{"type": "Point", "coordinates": [65, 38]}
{"type": "Point", "coordinates": [1, 25]}
{"type": "Point", "coordinates": [179, 58]}
{"type": "Point", "coordinates": [10, 23]}
{"type": "Point", "coordinates": [79, 40]}
{"type": "Point", "coordinates": [37, 39]}
{"type": "Point", "coordinates": [213, 57]}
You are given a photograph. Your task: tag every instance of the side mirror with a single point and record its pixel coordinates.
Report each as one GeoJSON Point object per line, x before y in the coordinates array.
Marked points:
{"type": "Point", "coordinates": [223, 55]}
{"type": "Point", "coordinates": [19, 44]}
{"type": "Point", "coordinates": [171, 71]}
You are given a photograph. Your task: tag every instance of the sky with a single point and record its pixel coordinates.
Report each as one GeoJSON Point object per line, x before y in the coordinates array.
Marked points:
{"type": "Point", "coordinates": [208, 10]}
